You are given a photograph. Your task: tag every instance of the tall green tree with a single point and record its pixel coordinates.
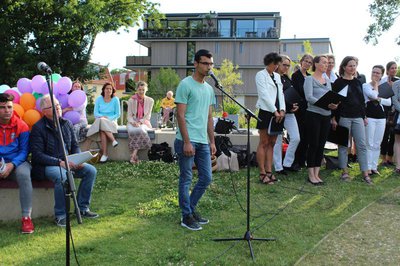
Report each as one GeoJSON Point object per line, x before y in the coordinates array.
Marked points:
{"type": "Point", "coordinates": [61, 33]}
{"type": "Point", "coordinates": [384, 14]}
{"type": "Point", "coordinates": [230, 79]}
{"type": "Point", "coordinates": [166, 80]}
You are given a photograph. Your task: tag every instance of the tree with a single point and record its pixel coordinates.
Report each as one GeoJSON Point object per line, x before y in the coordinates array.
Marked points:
{"type": "Point", "coordinates": [166, 80]}
{"type": "Point", "coordinates": [229, 78]}
{"type": "Point", "coordinates": [61, 33]}
{"type": "Point", "coordinates": [384, 14]}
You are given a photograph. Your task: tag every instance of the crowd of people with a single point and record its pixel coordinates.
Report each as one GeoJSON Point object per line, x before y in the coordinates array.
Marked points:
{"type": "Point", "coordinates": [369, 116]}
{"type": "Point", "coordinates": [286, 103]}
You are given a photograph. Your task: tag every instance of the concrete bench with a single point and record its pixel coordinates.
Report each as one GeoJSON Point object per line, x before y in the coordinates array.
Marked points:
{"type": "Point", "coordinates": [122, 153]}
{"type": "Point", "coordinates": [42, 199]}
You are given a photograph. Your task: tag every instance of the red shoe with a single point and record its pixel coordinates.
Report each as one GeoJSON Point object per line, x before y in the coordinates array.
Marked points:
{"type": "Point", "coordinates": [27, 225]}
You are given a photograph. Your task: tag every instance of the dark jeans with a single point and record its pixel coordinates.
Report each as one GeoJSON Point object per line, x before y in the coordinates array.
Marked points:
{"type": "Point", "coordinates": [317, 129]}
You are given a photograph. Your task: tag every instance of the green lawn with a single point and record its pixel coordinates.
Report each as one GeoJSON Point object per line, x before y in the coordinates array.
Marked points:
{"type": "Point", "coordinates": [139, 223]}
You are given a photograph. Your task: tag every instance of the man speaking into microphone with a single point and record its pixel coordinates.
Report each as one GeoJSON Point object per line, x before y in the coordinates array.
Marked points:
{"type": "Point", "coordinates": [195, 138]}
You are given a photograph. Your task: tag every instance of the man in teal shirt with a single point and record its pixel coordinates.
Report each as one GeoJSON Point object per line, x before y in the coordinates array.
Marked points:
{"type": "Point", "coordinates": [195, 137]}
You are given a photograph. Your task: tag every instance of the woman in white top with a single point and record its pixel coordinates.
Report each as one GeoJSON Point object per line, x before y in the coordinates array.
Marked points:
{"type": "Point", "coordinates": [376, 118]}
{"type": "Point", "coordinates": [271, 104]}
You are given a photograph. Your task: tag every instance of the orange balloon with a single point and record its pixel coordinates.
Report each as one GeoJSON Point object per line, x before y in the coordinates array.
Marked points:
{"type": "Point", "coordinates": [19, 110]}
{"type": "Point", "coordinates": [31, 117]}
{"type": "Point", "coordinates": [27, 101]}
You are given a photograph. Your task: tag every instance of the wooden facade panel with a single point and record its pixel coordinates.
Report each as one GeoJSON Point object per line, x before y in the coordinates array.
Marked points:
{"type": "Point", "coordinates": [164, 54]}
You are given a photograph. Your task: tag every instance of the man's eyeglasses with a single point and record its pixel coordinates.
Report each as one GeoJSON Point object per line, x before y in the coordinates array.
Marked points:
{"type": "Point", "coordinates": [206, 64]}
{"type": "Point", "coordinates": [308, 62]}
{"type": "Point", "coordinates": [285, 65]}
{"type": "Point", "coordinates": [57, 106]}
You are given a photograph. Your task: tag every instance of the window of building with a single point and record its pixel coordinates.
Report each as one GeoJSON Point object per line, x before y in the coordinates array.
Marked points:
{"type": "Point", "coordinates": [284, 47]}
{"type": "Point", "coordinates": [240, 47]}
{"type": "Point", "coordinates": [224, 28]}
{"type": "Point", "coordinates": [189, 72]}
{"type": "Point", "coordinates": [264, 28]}
{"type": "Point", "coordinates": [191, 50]}
{"type": "Point", "coordinates": [244, 28]}
{"type": "Point", "coordinates": [196, 27]}
{"type": "Point", "coordinates": [302, 48]}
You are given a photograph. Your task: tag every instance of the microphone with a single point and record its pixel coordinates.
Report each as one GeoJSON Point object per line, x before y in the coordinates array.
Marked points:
{"type": "Point", "coordinates": [42, 66]}
{"type": "Point", "coordinates": [211, 74]}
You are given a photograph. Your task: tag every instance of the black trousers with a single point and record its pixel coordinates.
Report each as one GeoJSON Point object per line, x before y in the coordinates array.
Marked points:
{"type": "Point", "coordinates": [317, 129]}
{"type": "Point", "coordinates": [388, 141]}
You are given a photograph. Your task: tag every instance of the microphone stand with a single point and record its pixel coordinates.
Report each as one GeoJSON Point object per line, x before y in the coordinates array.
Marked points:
{"type": "Point", "coordinates": [69, 184]}
{"type": "Point", "coordinates": [247, 235]}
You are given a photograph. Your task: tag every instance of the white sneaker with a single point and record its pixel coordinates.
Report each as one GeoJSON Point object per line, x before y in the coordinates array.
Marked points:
{"type": "Point", "coordinates": [115, 143]}
{"type": "Point", "coordinates": [103, 158]}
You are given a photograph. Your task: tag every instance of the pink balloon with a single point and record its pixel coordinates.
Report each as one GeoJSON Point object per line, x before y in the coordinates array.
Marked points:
{"type": "Point", "coordinates": [63, 99]}
{"type": "Point", "coordinates": [37, 83]}
{"type": "Point", "coordinates": [72, 116]}
{"type": "Point", "coordinates": [16, 95]}
{"type": "Point", "coordinates": [77, 98]}
{"type": "Point", "coordinates": [38, 104]}
{"type": "Point", "coordinates": [24, 85]}
{"type": "Point", "coordinates": [64, 85]}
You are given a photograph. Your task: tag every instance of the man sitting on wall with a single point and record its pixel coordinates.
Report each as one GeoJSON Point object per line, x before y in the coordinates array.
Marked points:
{"type": "Point", "coordinates": [48, 160]}
{"type": "Point", "coordinates": [14, 148]}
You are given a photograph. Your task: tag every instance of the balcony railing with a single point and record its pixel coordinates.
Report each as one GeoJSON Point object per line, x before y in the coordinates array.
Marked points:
{"type": "Point", "coordinates": [185, 33]}
{"type": "Point", "coordinates": [138, 60]}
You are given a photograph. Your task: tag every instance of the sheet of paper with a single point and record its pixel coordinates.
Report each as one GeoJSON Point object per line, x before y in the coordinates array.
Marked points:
{"type": "Point", "coordinates": [79, 158]}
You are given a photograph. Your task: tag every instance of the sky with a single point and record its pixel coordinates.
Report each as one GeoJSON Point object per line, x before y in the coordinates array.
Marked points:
{"type": "Point", "coordinates": [344, 22]}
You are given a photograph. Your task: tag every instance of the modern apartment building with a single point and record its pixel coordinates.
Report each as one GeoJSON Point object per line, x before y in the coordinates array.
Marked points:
{"type": "Point", "coordinates": [243, 38]}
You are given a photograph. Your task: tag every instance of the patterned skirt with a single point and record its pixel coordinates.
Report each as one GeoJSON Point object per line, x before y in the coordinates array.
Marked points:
{"type": "Point", "coordinates": [138, 137]}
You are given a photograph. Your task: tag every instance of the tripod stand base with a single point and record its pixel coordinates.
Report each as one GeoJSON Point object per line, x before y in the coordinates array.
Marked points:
{"type": "Point", "coordinates": [247, 237]}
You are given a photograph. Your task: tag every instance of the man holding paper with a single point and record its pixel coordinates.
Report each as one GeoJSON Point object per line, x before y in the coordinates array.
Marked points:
{"type": "Point", "coordinates": [14, 137]}
{"type": "Point", "coordinates": [48, 160]}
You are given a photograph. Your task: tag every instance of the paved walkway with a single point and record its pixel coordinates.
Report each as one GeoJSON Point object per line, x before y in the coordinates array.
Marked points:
{"type": "Point", "coordinates": [370, 237]}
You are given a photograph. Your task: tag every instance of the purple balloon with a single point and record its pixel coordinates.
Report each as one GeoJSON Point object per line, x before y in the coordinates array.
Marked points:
{"type": "Point", "coordinates": [63, 99]}
{"type": "Point", "coordinates": [37, 83]}
{"type": "Point", "coordinates": [72, 116]}
{"type": "Point", "coordinates": [24, 85]}
{"type": "Point", "coordinates": [77, 98]}
{"type": "Point", "coordinates": [44, 89]}
{"type": "Point", "coordinates": [64, 85]}
{"type": "Point", "coordinates": [38, 104]}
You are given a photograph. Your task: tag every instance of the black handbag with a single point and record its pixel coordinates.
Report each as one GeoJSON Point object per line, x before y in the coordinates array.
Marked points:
{"type": "Point", "coordinates": [224, 126]}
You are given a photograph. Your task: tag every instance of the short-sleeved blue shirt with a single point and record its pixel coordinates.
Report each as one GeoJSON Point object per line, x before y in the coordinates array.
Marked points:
{"type": "Point", "coordinates": [198, 97]}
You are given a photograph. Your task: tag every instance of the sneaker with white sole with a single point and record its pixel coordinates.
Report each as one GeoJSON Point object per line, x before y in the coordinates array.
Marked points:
{"type": "Point", "coordinates": [115, 143]}
{"type": "Point", "coordinates": [190, 223]}
{"type": "Point", "coordinates": [199, 219]}
{"type": "Point", "coordinates": [27, 225]}
{"type": "Point", "coordinates": [103, 158]}
{"type": "Point", "coordinates": [61, 222]}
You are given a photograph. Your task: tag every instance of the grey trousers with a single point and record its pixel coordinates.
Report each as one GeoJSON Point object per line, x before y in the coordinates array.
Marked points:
{"type": "Point", "coordinates": [357, 131]}
{"type": "Point", "coordinates": [22, 174]}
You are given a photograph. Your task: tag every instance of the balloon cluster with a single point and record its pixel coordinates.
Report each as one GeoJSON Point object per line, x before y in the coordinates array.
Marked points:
{"type": "Point", "coordinates": [28, 93]}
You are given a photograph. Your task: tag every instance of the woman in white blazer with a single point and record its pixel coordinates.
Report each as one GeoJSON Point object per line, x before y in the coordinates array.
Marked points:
{"type": "Point", "coordinates": [271, 104]}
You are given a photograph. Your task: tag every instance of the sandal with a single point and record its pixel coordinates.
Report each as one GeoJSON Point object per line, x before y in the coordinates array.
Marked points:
{"type": "Point", "coordinates": [134, 160]}
{"type": "Point", "coordinates": [367, 180]}
{"type": "Point", "coordinates": [264, 179]}
{"type": "Point", "coordinates": [345, 177]}
{"type": "Point", "coordinates": [271, 177]}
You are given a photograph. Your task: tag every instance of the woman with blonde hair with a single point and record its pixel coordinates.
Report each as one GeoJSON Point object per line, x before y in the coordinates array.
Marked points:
{"type": "Point", "coordinates": [139, 114]}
